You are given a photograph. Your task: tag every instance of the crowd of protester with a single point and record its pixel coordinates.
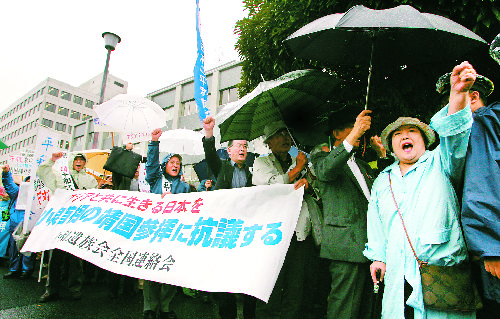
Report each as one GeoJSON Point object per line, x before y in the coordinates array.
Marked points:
{"type": "Point", "coordinates": [349, 239]}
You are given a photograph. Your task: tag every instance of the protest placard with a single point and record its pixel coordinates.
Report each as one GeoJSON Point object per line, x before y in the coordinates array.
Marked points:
{"type": "Point", "coordinates": [226, 240]}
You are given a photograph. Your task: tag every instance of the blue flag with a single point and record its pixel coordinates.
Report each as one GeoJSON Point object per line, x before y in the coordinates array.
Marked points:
{"type": "Point", "coordinates": [200, 80]}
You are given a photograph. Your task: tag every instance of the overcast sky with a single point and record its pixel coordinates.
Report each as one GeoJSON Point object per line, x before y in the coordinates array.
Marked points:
{"type": "Point", "coordinates": [62, 39]}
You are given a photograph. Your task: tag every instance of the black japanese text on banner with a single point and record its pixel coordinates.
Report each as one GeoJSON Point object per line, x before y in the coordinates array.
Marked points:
{"type": "Point", "coordinates": [226, 240]}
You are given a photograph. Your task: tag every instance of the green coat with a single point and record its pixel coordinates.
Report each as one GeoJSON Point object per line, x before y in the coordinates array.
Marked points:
{"type": "Point", "coordinates": [54, 180]}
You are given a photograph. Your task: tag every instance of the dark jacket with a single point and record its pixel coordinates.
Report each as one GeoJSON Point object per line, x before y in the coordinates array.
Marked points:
{"type": "Point", "coordinates": [121, 182]}
{"type": "Point", "coordinates": [344, 205]}
{"type": "Point", "coordinates": [221, 168]}
{"type": "Point", "coordinates": [481, 195]}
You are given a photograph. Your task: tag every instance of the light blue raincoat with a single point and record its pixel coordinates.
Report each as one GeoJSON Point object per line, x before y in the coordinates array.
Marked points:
{"type": "Point", "coordinates": [430, 209]}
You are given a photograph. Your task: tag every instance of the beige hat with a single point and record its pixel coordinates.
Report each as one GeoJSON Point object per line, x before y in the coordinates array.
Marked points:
{"type": "Point", "coordinates": [424, 128]}
{"type": "Point", "coordinates": [273, 128]}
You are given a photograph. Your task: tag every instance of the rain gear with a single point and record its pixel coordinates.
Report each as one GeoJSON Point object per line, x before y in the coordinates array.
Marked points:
{"type": "Point", "coordinates": [18, 263]}
{"type": "Point", "coordinates": [11, 188]}
{"type": "Point", "coordinates": [157, 296]}
{"type": "Point", "coordinates": [54, 180]}
{"type": "Point", "coordinates": [4, 229]}
{"type": "Point", "coordinates": [481, 196]}
{"type": "Point", "coordinates": [430, 209]}
{"type": "Point", "coordinates": [155, 172]}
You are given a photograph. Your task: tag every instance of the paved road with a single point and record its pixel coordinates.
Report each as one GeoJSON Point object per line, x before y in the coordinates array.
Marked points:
{"type": "Point", "coordinates": [19, 299]}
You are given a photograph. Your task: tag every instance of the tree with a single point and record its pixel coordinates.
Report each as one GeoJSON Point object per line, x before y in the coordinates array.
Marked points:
{"type": "Point", "coordinates": [400, 91]}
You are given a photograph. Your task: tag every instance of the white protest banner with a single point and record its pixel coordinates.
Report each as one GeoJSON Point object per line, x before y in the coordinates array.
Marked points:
{"type": "Point", "coordinates": [143, 185]}
{"type": "Point", "coordinates": [225, 240]}
{"type": "Point", "coordinates": [19, 165]}
{"type": "Point", "coordinates": [46, 144]}
{"type": "Point", "coordinates": [22, 195]}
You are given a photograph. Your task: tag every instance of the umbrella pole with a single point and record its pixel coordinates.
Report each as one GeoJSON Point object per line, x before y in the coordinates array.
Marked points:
{"type": "Point", "coordinates": [41, 266]}
{"type": "Point", "coordinates": [112, 139]}
{"type": "Point", "coordinates": [290, 133]}
{"type": "Point", "coordinates": [369, 73]}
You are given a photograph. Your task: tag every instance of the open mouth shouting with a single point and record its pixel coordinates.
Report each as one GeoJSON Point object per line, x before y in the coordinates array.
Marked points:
{"type": "Point", "coordinates": [407, 146]}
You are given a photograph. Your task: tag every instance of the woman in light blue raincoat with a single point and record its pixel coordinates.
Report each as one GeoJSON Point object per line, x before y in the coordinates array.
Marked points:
{"type": "Point", "coordinates": [422, 182]}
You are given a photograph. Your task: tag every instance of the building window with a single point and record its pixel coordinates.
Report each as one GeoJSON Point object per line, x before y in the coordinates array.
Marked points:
{"type": "Point", "coordinates": [78, 140]}
{"type": "Point", "coordinates": [47, 123]}
{"type": "Point", "coordinates": [62, 111]}
{"type": "Point", "coordinates": [75, 115]}
{"type": "Point", "coordinates": [228, 95]}
{"type": "Point", "coordinates": [50, 107]}
{"type": "Point", "coordinates": [69, 129]}
{"type": "Point", "coordinates": [119, 84]}
{"type": "Point", "coordinates": [53, 91]}
{"type": "Point", "coordinates": [89, 104]}
{"type": "Point", "coordinates": [60, 127]}
{"type": "Point", "coordinates": [189, 107]}
{"type": "Point", "coordinates": [77, 99]}
{"type": "Point", "coordinates": [85, 117]}
{"type": "Point", "coordinates": [66, 96]}
{"type": "Point", "coordinates": [170, 112]}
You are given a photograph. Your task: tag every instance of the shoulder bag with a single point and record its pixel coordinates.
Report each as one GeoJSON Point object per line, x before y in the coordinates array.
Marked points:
{"type": "Point", "coordinates": [445, 288]}
{"type": "Point", "coordinates": [6, 212]}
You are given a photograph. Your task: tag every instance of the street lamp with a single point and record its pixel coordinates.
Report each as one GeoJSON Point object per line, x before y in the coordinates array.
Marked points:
{"type": "Point", "coordinates": [110, 42]}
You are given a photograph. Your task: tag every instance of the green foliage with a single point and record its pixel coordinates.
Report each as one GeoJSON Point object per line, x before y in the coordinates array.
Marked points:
{"type": "Point", "coordinates": [394, 92]}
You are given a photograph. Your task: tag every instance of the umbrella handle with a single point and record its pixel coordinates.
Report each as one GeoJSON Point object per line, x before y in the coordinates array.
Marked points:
{"type": "Point", "coordinates": [370, 70]}
{"type": "Point", "coordinates": [311, 175]}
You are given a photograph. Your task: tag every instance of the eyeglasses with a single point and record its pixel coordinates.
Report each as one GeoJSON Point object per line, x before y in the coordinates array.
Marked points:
{"type": "Point", "coordinates": [240, 146]}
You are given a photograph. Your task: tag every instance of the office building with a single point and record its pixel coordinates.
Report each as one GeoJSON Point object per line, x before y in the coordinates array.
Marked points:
{"type": "Point", "coordinates": [55, 105]}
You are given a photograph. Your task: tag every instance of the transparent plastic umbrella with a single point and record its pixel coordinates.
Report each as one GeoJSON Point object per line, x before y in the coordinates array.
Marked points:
{"type": "Point", "coordinates": [131, 113]}
{"type": "Point", "coordinates": [182, 141]}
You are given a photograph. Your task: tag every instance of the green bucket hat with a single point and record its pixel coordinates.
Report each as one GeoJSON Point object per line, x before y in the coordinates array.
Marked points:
{"type": "Point", "coordinates": [424, 128]}
{"type": "Point", "coordinates": [482, 84]}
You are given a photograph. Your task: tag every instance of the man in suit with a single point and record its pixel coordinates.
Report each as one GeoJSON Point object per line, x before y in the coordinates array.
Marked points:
{"type": "Point", "coordinates": [231, 173]}
{"type": "Point", "coordinates": [344, 184]}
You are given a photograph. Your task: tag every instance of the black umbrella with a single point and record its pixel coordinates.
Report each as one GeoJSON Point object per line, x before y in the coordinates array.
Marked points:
{"type": "Point", "coordinates": [396, 36]}
{"type": "Point", "coordinates": [495, 49]}
{"type": "Point", "coordinates": [302, 99]}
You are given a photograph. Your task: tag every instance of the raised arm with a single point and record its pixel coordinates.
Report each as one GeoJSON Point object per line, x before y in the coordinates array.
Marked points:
{"type": "Point", "coordinates": [213, 160]}
{"type": "Point", "coordinates": [461, 80]}
{"type": "Point", "coordinates": [153, 170]}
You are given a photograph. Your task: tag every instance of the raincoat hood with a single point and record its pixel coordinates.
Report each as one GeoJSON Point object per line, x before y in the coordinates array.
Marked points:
{"type": "Point", "coordinates": [164, 164]}
{"type": "Point", "coordinates": [71, 159]}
